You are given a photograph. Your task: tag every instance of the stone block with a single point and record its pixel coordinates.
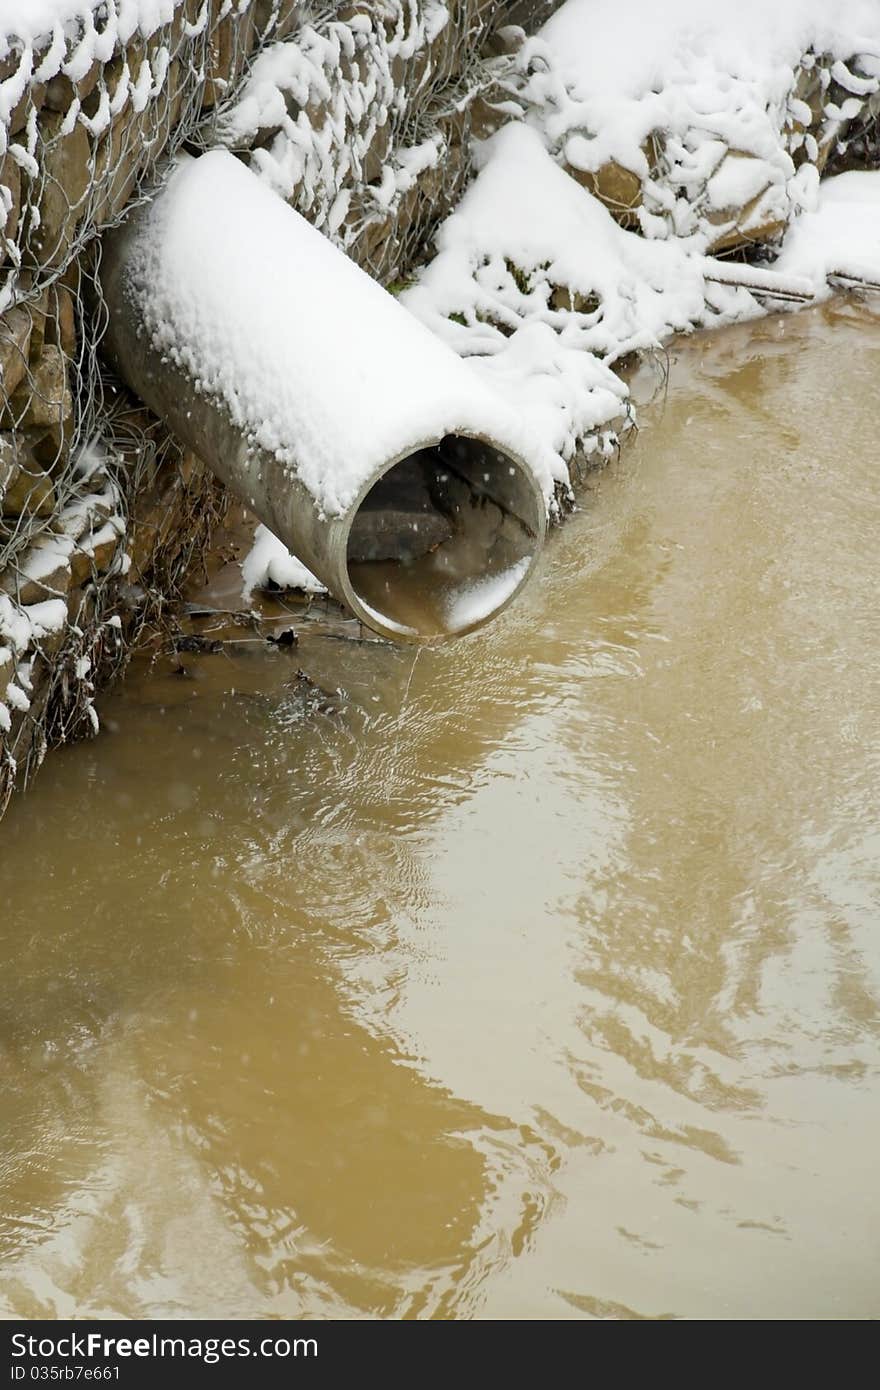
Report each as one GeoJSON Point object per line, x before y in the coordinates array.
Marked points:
{"type": "Point", "coordinates": [10, 206]}
{"type": "Point", "coordinates": [111, 74]}
{"type": "Point", "coordinates": [487, 115]}
{"type": "Point", "coordinates": [159, 120]}
{"type": "Point", "coordinates": [756, 218]}
{"type": "Point", "coordinates": [376, 155]}
{"type": "Point", "coordinates": [42, 572]}
{"type": "Point", "coordinates": [738, 203]}
{"type": "Point", "coordinates": [44, 401]}
{"type": "Point", "coordinates": [80, 568]}
{"type": "Point", "coordinates": [25, 487]}
{"type": "Point", "coordinates": [61, 92]}
{"type": "Point", "coordinates": [7, 669]}
{"type": "Point", "coordinates": [9, 68]}
{"type": "Point", "coordinates": [37, 307]}
{"type": "Point", "coordinates": [60, 322]}
{"type": "Point", "coordinates": [49, 642]}
{"type": "Point", "coordinates": [15, 344]}
{"type": "Point", "coordinates": [61, 191]}
{"type": "Point", "coordinates": [31, 99]}
{"type": "Point", "coordinates": [615, 186]}
{"type": "Point", "coordinates": [119, 158]}
{"type": "Point", "coordinates": [565, 299]}
{"type": "Point", "coordinates": [745, 233]}
{"type": "Point", "coordinates": [284, 16]}
{"type": "Point", "coordinates": [54, 583]}
{"type": "Point", "coordinates": [94, 554]}
{"type": "Point", "coordinates": [51, 445]}
{"type": "Point", "coordinates": [230, 44]}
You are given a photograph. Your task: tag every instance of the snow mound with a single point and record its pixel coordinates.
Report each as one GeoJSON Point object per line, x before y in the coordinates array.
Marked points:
{"type": "Point", "coordinates": [269, 559]}
{"type": "Point", "coordinates": [711, 108]}
{"type": "Point", "coordinates": [537, 285]}
{"type": "Point", "coordinates": [841, 236]}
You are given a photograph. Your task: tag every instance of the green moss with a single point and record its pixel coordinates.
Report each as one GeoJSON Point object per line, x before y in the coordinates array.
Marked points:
{"type": "Point", "coordinates": [506, 329]}
{"type": "Point", "coordinates": [520, 277]}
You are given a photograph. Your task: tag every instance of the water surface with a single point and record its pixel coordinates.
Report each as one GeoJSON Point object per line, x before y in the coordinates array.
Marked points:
{"type": "Point", "coordinates": [533, 977]}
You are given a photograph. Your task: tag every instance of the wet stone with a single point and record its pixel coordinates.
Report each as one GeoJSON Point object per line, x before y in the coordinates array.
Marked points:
{"type": "Point", "coordinates": [10, 209]}
{"type": "Point", "coordinates": [63, 185]}
{"type": "Point", "coordinates": [27, 589]}
{"type": "Point", "coordinates": [24, 485]}
{"type": "Point", "coordinates": [396, 534]}
{"type": "Point", "coordinates": [45, 400]}
{"type": "Point", "coordinates": [7, 668]}
{"type": "Point", "coordinates": [15, 340]}
{"type": "Point", "coordinates": [399, 518]}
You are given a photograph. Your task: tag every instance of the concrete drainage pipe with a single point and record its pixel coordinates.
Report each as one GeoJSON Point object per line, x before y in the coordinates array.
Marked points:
{"type": "Point", "coordinates": [368, 447]}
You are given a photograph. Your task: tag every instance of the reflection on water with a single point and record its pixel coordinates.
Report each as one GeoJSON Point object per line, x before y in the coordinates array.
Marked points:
{"type": "Point", "coordinates": [534, 976]}
{"type": "Point", "coordinates": [435, 551]}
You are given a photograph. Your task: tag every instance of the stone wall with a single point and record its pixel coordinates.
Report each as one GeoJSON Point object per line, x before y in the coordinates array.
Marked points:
{"type": "Point", "coordinates": [358, 112]}
{"type": "Point", "coordinates": [102, 515]}
{"type": "Point", "coordinates": [732, 176]}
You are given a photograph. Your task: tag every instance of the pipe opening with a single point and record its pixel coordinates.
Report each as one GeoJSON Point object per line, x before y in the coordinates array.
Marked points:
{"type": "Point", "coordinates": [443, 540]}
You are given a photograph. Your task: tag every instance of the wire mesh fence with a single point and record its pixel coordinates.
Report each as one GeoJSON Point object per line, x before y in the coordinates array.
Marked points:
{"type": "Point", "coordinates": [88, 113]}
{"type": "Point", "coordinates": [373, 109]}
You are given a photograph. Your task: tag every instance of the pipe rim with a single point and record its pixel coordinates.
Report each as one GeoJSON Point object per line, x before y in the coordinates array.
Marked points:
{"type": "Point", "coordinates": [382, 623]}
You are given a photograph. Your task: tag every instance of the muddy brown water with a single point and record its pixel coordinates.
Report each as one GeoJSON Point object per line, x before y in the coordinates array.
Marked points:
{"type": "Point", "coordinates": [534, 977]}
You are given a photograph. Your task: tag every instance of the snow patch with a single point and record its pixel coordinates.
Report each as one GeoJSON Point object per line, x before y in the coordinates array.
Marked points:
{"type": "Point", "coordinates": [538, 286]}
{"type": "Point", "coordinates": [468, 606]}
{"type": "Point", "coordinates": [324, 113]}
{"type": "Point", "coordinates": [269, 559]}
{"type": "Point", "coordinates": [47, 618]}
{"type": "Point", "coordinates": [840, 237]}
{"type": "Point", "coordinates": [666, 90]}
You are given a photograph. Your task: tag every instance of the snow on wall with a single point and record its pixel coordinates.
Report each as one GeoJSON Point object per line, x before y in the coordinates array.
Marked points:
{"type": "Point", "coordinates": [363, 126]}
{"type": "Point", "coordinates": [91, 94]}
{"type": "Point", "coordinates": [329, 101]}
{"type": "Point", "coordinates": [29, 23]}
{"type": "Point", "coordinates": [539, 288]}
{"type": "Point", "coordinates": [537, 285]}
{"type": "Point", "coordinates": [698, 128]}
{"type": "Point", "coordinates": [544, 291]}
{"type": "Point", "coordinates": [713, 110]}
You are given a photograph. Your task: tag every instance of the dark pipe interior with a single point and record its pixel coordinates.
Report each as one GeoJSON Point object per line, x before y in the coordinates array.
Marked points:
{"type": "Point", "coordinates": [444, 538]}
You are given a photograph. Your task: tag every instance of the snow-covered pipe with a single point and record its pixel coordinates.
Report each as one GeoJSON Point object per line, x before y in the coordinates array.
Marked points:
{"type": "Point", "coordinates": [369, 448]}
